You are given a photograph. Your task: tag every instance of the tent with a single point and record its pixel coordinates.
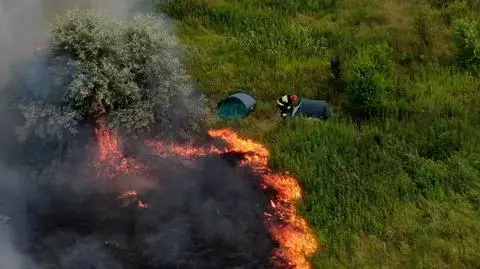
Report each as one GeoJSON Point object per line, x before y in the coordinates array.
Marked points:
{"type": "Point", "coordinates": [313, 109]}
{"type": "Point", "coordinates": [236, 106]}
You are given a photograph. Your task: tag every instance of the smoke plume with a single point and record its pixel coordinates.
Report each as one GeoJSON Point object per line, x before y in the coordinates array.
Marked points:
{"type": "Point", "coordinates": [12, 215]}
{"type": "Point", "coordinates": [58, 211]}
{"type": "Point", "coordinates": [24, 24]}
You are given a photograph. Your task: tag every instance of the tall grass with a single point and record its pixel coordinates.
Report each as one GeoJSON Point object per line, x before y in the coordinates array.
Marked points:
{"type": "Point", "coordinates": [260, 30]}
{"type": "Point", "coordinates": [358, 182]}
{"type": "Point", "coordinates": [400, 190]}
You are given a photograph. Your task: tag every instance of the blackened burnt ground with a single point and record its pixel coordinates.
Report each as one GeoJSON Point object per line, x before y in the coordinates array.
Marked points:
{"type": "Point", "coordinates": [207, 213]}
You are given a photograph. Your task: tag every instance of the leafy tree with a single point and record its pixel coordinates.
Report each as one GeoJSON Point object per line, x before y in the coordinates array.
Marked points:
{"type": "Point", "coordinates": [128, 72]}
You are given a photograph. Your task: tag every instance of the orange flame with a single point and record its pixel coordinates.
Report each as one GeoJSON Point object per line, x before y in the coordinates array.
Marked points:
{"type": "Point", "coordinates": [291, 231]}
{"type": "Point", "coordinates": [296, 240]}
{"type": "Point", "coordinates": [110, 155]}
{"type": "Point", "coordinates": [109, 144]}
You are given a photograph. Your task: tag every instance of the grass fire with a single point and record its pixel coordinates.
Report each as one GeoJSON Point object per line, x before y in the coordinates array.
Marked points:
{"type": "Point", "coordinates": [294, 240]}
{"type": "Point", "coordinates": [239, 134]}
{"type": "Point", "coordinates": [115, 165]}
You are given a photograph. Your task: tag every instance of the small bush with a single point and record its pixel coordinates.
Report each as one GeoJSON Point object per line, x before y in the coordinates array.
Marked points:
{"type": "Point", "coordinates": [370, 81]}
{"type": "Point", "coordinates": [466, 36]}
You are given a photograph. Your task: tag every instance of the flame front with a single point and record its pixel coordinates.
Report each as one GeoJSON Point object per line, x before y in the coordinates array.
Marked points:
{"type": "Point", "coordinates": [295, 238]}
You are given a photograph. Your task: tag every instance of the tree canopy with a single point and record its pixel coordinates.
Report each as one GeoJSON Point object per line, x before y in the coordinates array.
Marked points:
{"type": "Point", "coordinates": [128, 72]}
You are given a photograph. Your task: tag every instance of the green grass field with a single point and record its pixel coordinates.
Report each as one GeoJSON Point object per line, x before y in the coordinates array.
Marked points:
{"type": "Point", "coordinates": [394, 180]}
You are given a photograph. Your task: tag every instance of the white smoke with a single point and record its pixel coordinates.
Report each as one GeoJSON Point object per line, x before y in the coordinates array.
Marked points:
{"type": "Point", "coordinates": [11, 214]}
{"type": "Point", "coordinates": [9, 256]}
{"type": "Point", "coordinates": [24, 26]}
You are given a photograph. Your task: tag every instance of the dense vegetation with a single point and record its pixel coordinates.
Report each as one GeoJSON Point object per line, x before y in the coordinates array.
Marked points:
{"type": "Point", "coordinates": [128, 72]}
{"type": "Point", "coordinates": [394, 180]}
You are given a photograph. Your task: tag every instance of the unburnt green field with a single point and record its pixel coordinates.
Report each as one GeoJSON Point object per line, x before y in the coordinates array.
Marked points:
{"type": "Point", "coordinates": [394, 180]}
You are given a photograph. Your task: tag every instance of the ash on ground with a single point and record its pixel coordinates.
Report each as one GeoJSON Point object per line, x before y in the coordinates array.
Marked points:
{"type": "Point", "coordinates": [204, 214]}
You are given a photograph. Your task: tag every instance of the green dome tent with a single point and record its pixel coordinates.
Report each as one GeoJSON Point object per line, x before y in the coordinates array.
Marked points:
{"type": "Point", "coordinates": [319, 109]}
{"type": "Point", "coordinates": [236, 106]}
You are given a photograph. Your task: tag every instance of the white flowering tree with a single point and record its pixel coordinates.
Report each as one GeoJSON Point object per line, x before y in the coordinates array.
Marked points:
{"type": "Point", "coordinates": [129, 73]}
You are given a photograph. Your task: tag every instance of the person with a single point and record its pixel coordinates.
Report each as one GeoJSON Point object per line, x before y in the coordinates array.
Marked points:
{"type": "Point", "coordinates": [287, 104]}
{"type": "Point", "coordinates": [292, 106]}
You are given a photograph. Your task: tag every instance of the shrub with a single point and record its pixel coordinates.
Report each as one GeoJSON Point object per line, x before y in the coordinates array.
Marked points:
{"type": "Point", "coordinates": [370, 81]}
{"type": "Point", "coordinates": [466, 36]}
{"type": "Point", "coordinates": [128, 71]}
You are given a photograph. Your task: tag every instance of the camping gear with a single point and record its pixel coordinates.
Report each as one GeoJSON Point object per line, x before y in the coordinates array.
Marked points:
{"type": "Point", "coordinates": [312, 109]}
{"type": "Point", "coordinates": [236, 106]}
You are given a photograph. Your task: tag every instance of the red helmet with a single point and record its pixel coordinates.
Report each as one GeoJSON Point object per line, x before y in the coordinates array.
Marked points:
{"type": "Point", "coordinates": [293, 98]}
